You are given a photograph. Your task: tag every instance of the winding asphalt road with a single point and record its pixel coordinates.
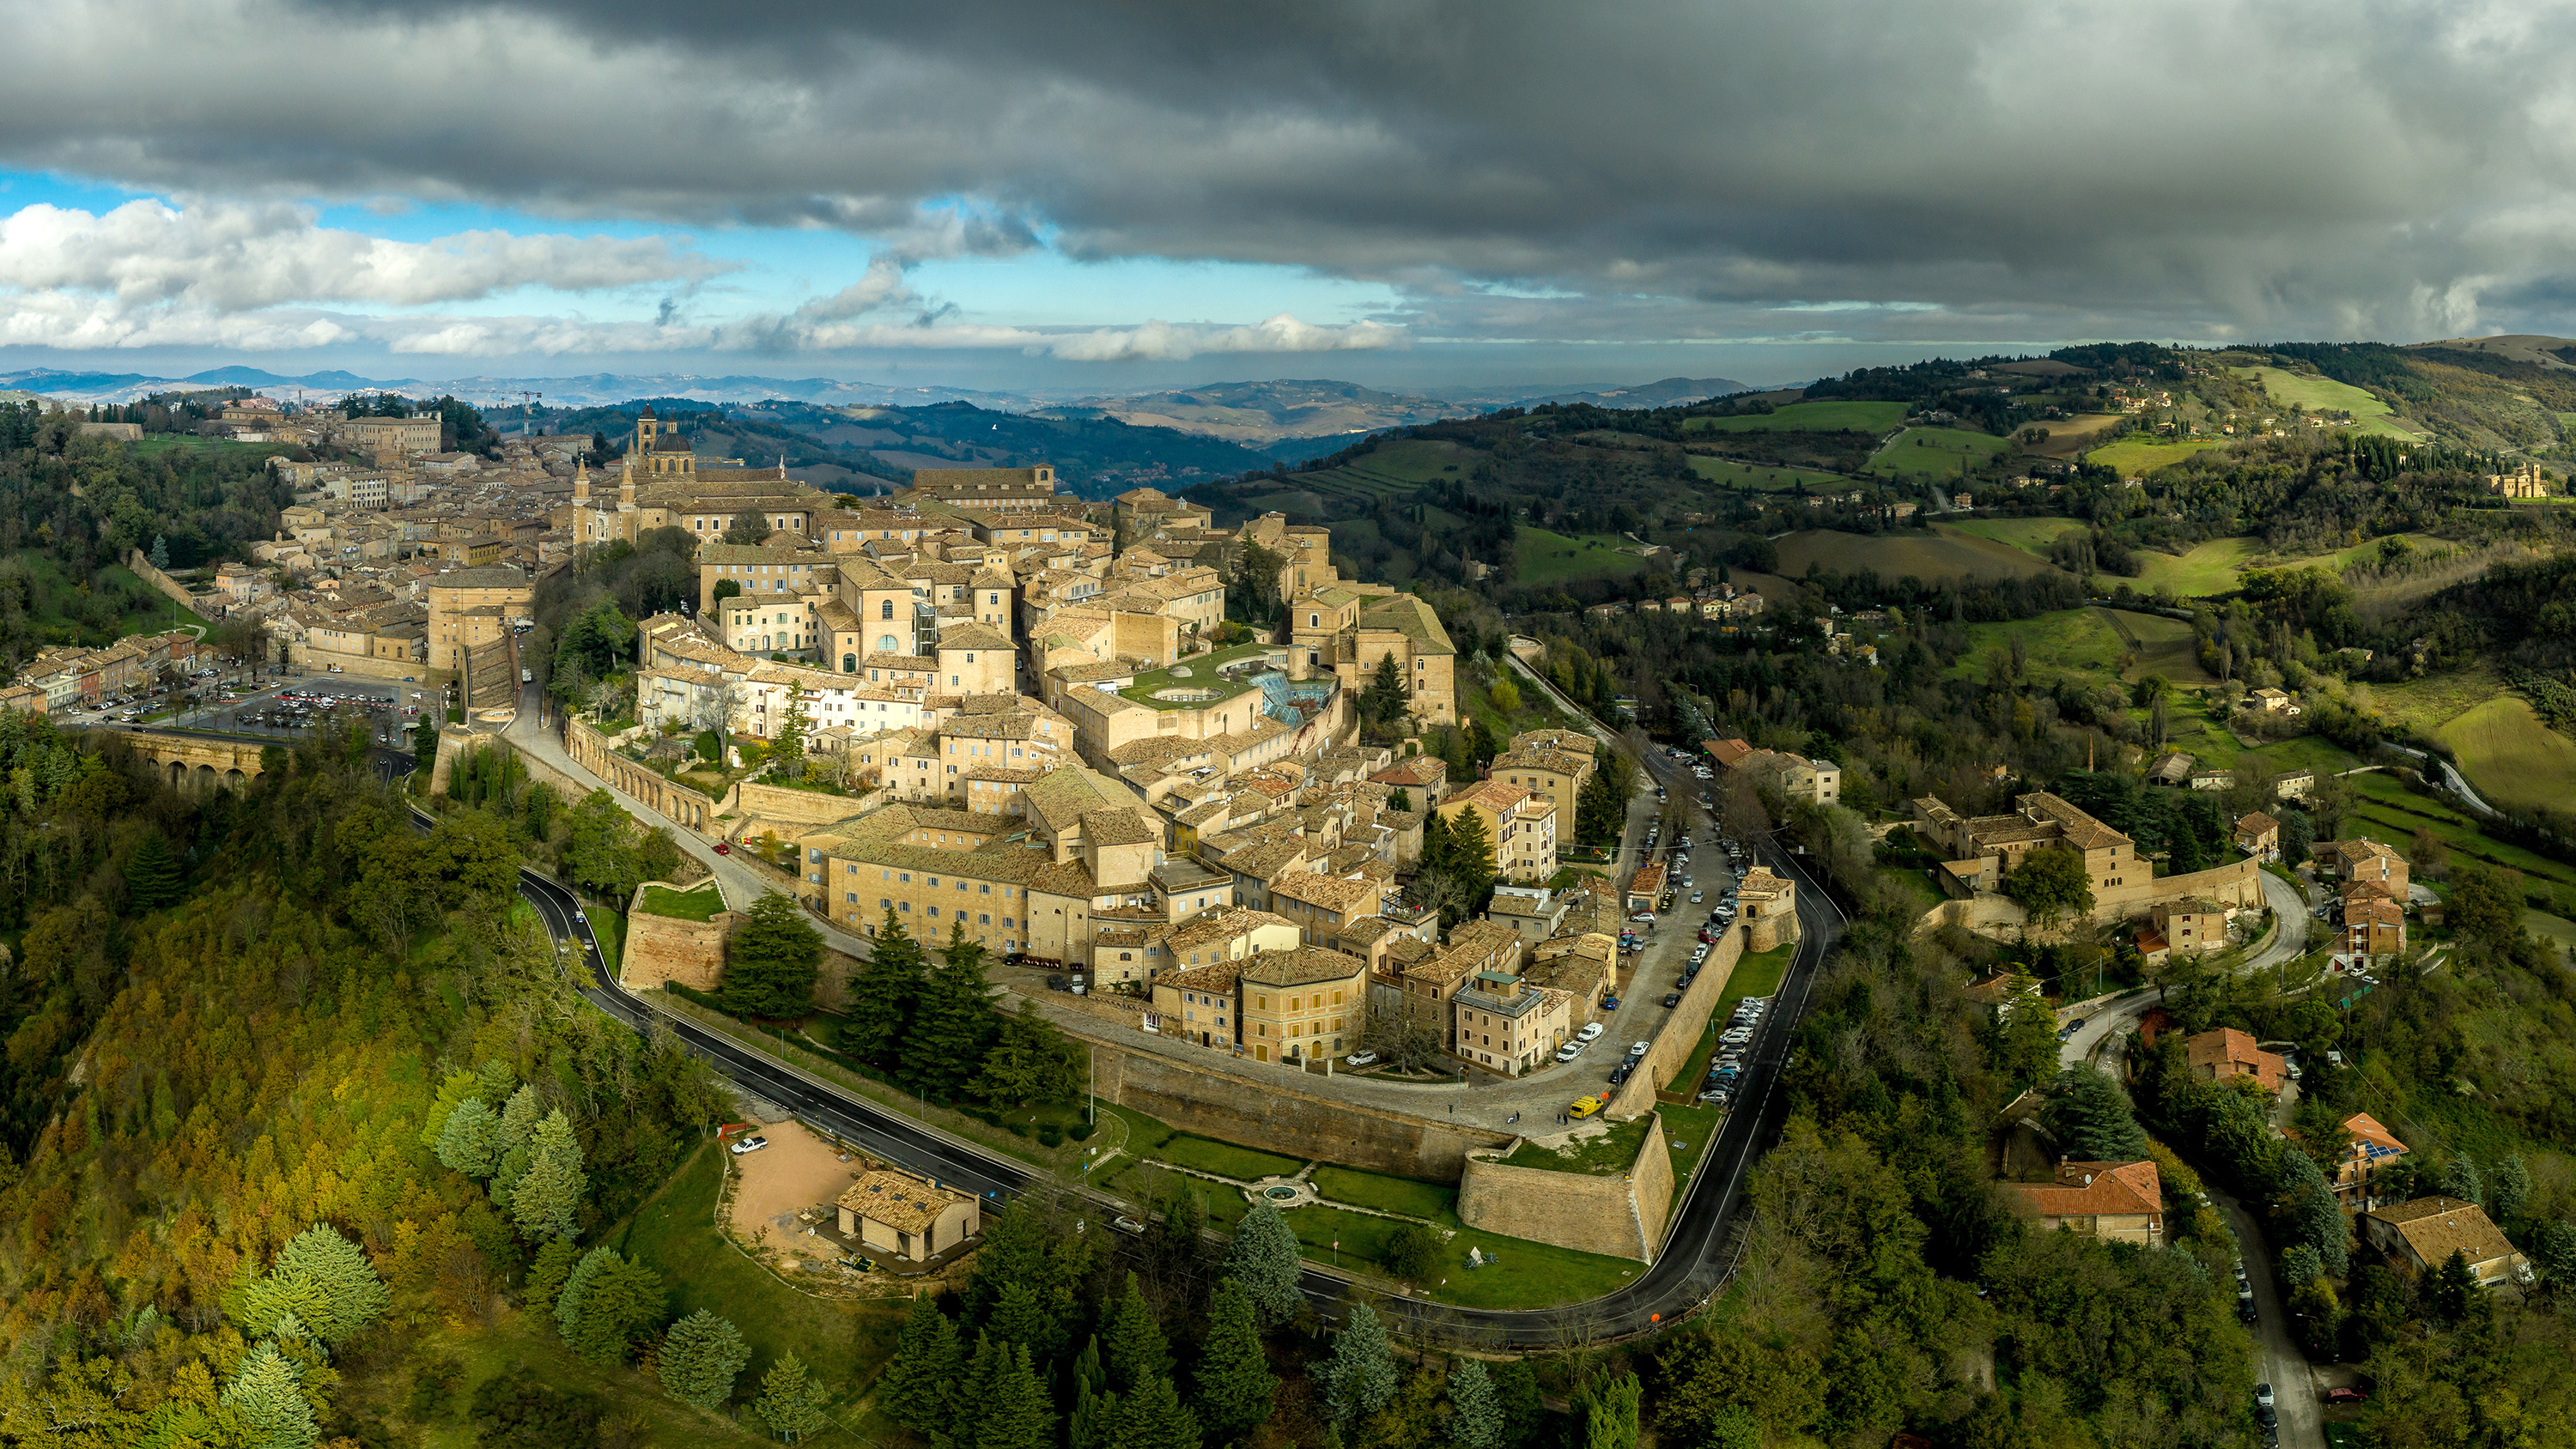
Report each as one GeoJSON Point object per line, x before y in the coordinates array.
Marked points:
{"type": "Point", "coordinates": [1685, 1274]}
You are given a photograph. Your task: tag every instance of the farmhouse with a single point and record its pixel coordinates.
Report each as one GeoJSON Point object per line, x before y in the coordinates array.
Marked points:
{"type": "Point", "coordinates": [2422, 1235]}
{"type": "Point", "coordinates": [906, 1217]}
{"type": "Point", "coordinates": [2119, 1201]}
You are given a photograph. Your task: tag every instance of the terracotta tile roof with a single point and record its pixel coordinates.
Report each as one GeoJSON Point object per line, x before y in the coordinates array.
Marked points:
{"type": "Point", "coordinates": [898, 1199]}
{"type": "Point", "coordinates": [2095, 1189]}
{"type": "Point", "coordinates": [2367, 1132]}
{"type": "Point", "coordinates": [2436, 1227]}
{"type": "Point", "coordinates": [2257, 823]}
{"type": "Point", "coordinates": [2228, 1052]}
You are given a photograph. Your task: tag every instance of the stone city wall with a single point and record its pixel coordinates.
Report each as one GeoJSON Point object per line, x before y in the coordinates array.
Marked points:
{"type": "Point", "coordinates": [2240, 884]}
{"type": "Point", "coordinates": [1621, 1216]}
{"type": "Point", "coordinates": [793, 807]}
{"type": "Point", "coordinates": [1264, 1107]}
{"type": "Point", "coordinates": [660, 949]}
{"type": "Point", "coordinates": [209, 607]}
{"type": "Point", "coordinates": [1681, 1031]}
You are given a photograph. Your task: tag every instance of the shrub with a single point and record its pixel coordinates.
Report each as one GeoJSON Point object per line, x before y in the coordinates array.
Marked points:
{"type": "Point", "coordinates": [1050, 1135]}
{"type": "Point", "coordinates": [1080, 1131]}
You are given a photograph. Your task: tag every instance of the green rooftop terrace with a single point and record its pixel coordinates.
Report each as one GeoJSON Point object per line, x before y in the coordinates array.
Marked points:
{"type": "Point", "coordinates": [1195, 683]}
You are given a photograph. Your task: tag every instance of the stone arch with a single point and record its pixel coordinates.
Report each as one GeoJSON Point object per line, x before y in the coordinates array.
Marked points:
{"type": "Point", "coordinates": [235, 779]}
{"type": "Point", "coordinates": [178, 774]}
{"type": "Point", "coordinates": [849, 664]}
{"type": "Point", "coordinates": [205, 777]}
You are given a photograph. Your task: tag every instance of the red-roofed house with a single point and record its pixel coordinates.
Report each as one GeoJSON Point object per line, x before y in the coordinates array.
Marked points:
{"type": "Point", "coordinates": [1727, 753]}
{"type": "Point", "coordinates": [2373, 1147]}
{"type": "Point", "coordinates": [2373, 925]}
{"type": "Point", "coordinates": [2121, 1201]}
{"type": "Point", "coordinates": [2218, 1055]}
{"type": "Point", "coordinates": [2259, 835]}
{"type": "Point", "coordinates": [1645, 886]}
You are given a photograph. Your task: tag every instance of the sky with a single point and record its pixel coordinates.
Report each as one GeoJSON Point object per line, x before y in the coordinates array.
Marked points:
{"type": "Point", "coordinates": [1070, 198]}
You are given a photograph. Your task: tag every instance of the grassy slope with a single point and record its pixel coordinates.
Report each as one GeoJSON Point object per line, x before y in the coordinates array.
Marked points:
{"type": "Point", "coordinates": [1943, 552]}
{"type": "Point", "coordinates": [692, 905]}
{"type": "Point", "coordinates": [2136, 457]}
{"type": "Point", "coordinates": [1555, 558]}
{"type": "Point", "coordinates": [1766, 478]}
{"type": "Point", "coordinates": [2210, 568]}
{"type": "Point", "coordinates": [1813, 417]}
{"type": "Point", "coordinates": [2369, 414]}
{"type": "Point", "coordinates": [2069, 641]}
{"type": "Point", "coordinates": [2031, 535]}
{"type": "Point", "coordinates": [2510, 756]}
{"type": "Point", "coordinates": [1936, 452]}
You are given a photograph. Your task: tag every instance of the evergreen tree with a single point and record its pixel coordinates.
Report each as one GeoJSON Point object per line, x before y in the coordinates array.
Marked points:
{"type": "Point", "coordinates": [1610, 1414]}
{"type": "Point", "coordinates": [471, 1141]}
{"type": "Point", "coordinates": [1152, 1417]}
{"type": "Point", "coordinates": [1400, 799]}
{"type": "Point", "coordinates": [2462, 1180]}
{"type": "Point", "coordinates": [1234, 1387]}
{"type": "Point", "coordinates": [451, 1095]}
{"type": "Point", "coordinates": [1135, 1345]}
{"type": "Point", "coordinates": [576, 1289]}
{"type": "Point", "coordinates": [269, 1397]}
{"type": "Point", "coordinates": [606, 1303]}
{"type": "Point", "coordinates": [956, 1024]}
{"type": "Point", "coordinates": [772, 961]}
{"type": "Point", "coordinates": [1475, 1412]}
{"type": "Point", "coordinates": [546, 1275]}
{"type": "Point", "coordinates": [883, 994]}
{"type": "Point", "coordinates": [1030, 1061]}
{"type": "Point", "coordinates": [787, 747]}
{"type": "Point", "coordinates": [791, 1402]}
{"type": "Point", "coordinates": [2508, 1188]}
{"type": "Point", "coordinates": [1263, 1257]}
{"type": "Point", "coordinates": [700, 1358]}
{"type": "Point", "coordinates": [550, 1192]}
{"type": "Point", "coordinates": [1020, 1316]}
{"type": "Point", "coordinates": [323, 1284]}
{"type": "Point", "coordinates": [519, 1117]}
{"type": "Point", "coordinates": [1524, 1409]}
{"type": "Point", "coordinates": [920, 1381]}
{"type": "Point", "coordinates": [2453, 1287]}
{"type": "Point", "coordinates": [2554, 1255]}
{"type": "Point", "coordinates": [152, 874]}
{"type": "Point", "coordinates": [1012, 1411]}
{"type": "Point", "coordinates": [1091, 1398]}
{"type": "Point", "coordinates": [1359, 1378]}
{"type": "Point", "coordinates": [160, 552]}
{"type": "Point", "coordinates": [2091, 1120]}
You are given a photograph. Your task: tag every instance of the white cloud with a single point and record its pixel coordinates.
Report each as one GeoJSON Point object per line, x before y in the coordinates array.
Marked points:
{"type": "Point", "coordinates": [226, 257]}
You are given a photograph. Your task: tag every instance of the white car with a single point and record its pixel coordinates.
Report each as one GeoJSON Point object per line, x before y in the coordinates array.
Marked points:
{"type": "Point", "coordinates": [1359, 1059]}
{"type": "Point", "coordinates": [1640, 1048]}
{"type": "Point", "coordinates": [1569, 1051]}
{"type": "Point", "coordinates": [749, 1144]}
{"type": "Point", "coordinates": [1591, 1031]}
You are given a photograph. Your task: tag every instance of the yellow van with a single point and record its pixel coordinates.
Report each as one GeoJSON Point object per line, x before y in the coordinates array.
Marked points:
{"type": "Point", "coordinates": [1584, 1107]}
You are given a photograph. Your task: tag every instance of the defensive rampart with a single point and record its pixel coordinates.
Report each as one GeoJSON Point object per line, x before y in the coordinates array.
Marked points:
{"type": "Point", "coordinates": [1619, 1214]}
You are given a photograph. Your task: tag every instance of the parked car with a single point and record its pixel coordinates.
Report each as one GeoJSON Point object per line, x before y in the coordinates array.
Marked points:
{"type": "Point", "coordinates": [1591, 1031]}
{"type": "Point", "coordinates": [1640, 1048]}
{"type": "Point", "coordinates": [1569, 1052]}
{"type": "Point", "coordinates": [2346, 1396]}
{"type": "Point", "coordinates": [1715, 1096]}
{"type": "Point", "coordinates": [1360, 1059]}
{"type": "Point", "coordinates": [1672, 998]}
{"type": "Point", "coordinates": [1609, 1003]}
{"type": "Point", "coordinates": [749, 1144]}
{"type": "Point", "coordinates": [1698, 897]}
{"type": "Point", "coordinates": [2263, 1395]}
{"type": "Point", "coordinates": [724, 847]}
{"type": "Point", "coordinates": [1126, 1224]}
{"type": "Point", "coordinates": [1622, 1072]}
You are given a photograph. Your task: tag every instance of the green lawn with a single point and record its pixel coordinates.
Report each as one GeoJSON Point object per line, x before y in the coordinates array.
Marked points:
{"type": "Point", "coordinates": [1757, 975]}
{"type": "Point", "coordinates": [1225, 1159]}
{"type": "Point", "coordinates": [1687, 1133]}
{"type": "Point", "coordinates": [2077, 641]}
{"type": "Point", "coordinates": [2316, 394]}
{"type": "Point", "coordinates": [2134, 457]}
{"type": "Point", "coordinates": [1523, 1274]}
{"type": "Point", "coordinates": [1555, 558]}
{"type": "Point", "coordinates": [2033, 535]}
{"type": "Point", "coordinates": [1433, 1201]}
{"type": "Point", "coordinates": [1937, 452]}
{"type": "Point", "coordinates": [2209, 568]}
{"type": "Point", "coordinates": [1808, 417]}
{"type": "Point", "coordinates": [700, 904]}
{"type": "Point", "coordinates": [508, 1339]}
{"type": "Point", "coordinates": [2510, 756]}
{"type": "Point", "coordinates": [674, 1232]}
{"type": "Point", "coordinates": [1202, 675]}
{"type": "Point", "coordinates": [1612, 1151]}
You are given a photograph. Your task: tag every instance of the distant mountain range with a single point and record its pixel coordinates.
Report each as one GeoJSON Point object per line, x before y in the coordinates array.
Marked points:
{"type": "Point", "coordinates": [1277, 418]}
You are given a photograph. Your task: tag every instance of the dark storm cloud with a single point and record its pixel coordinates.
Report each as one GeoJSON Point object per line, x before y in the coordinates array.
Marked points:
{"type": "Point", "coordinates": [1889, 169]}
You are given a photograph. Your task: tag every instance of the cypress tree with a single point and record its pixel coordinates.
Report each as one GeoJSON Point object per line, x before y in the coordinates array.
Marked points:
{"type": "Point", "coordinates": [1359, 1378]}
{"type": "Point", "coordinates": [1263, 1258]}
{"type": "Point", "coordinates": [1234, 1387]}
{"type": "Point", "coordinates": [152, 874]}
{"type": "Point", "coordinates": [2088, 1115]}
{"type": "Point", "coordinates": [921, 1380]}
{"type": "Point", "coordinates": [1136, 1349]}
{"type": "Point", "coordinates": [451, 1095]}
{"type": "Point", "coordinates": [470, 1143]}
{"type": "Point", "coordinates": [549, 1193]}
{"type": "Point", "coordinates": [883, 994]}
{"type": "Point", "coordinates": [791, 1402]}
{"type": "Point", "coordinates": [701, 1356]}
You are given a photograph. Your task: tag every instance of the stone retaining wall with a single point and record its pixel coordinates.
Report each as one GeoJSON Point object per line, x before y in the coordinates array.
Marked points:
{"type": "Point", "coordinates": [793, 807]}
{"type": "Point", "coordinates": [196, 604]}
{"type": "Point", "coordinates": [1264, 1106]}
{"type": "Point", "coordinates": [1619, 1215]}
{"type": "Point", "coordinates": [676, 802]}
{"type": "Point", "coordinates": [1681, 1031]}
{"type": "Point", "coordinates": [660, 949]}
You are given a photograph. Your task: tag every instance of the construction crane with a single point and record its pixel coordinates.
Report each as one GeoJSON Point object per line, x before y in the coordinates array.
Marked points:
{"type": "Point", "coordinates": [526, 400]}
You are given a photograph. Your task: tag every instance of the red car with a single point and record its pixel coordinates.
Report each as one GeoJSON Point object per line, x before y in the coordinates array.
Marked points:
{"type": "Point", "coordinates": [2345, 1396]}
{"type": "Point", "coordinates": [724, 847]}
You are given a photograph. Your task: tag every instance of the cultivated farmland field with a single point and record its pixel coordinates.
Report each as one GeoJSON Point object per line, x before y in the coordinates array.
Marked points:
{"type": "Point", "coordinates": [1760, 478]}
{"type": "Point", "coordinates": [2136, 457]}
{"type": "Point", "coordinates": [2510, 756]}
{"type": "Point", "coordinates": [1943, 553]}
{"type": "Point", "coordinates": [2069, 641]}
{"type": "Point", "coordinates": [2210, 568]}
{"type": "Point", "coordinates": [1808, 417]}
{"type": "Point", "coordinates": [2070, 436]}
{"type": "Point", "coordinates": [2369, 414]}
{"type": "Point", "coordinates": [2164, 646]}
{"type": "Point", "coordinates": [2031, 534]}
{"type": "Point", "coordinates": [1936, 452]}
{"type": "Point", "coordinates": [1554, 558]}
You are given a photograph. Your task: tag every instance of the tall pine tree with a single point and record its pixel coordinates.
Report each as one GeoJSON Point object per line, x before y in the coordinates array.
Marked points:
{"type": "Point", "coordinates": [956, 1024]}
{"type": "Point", "coordinates": [1359, 1378]}
{"type": "Point", "coordinates": [1233, 1387]}
{"type": "Point", "coordinates": [1475, 1411]}
{"type": "Point", "coordinates": [269, 1396]}
{"type": "Point", "coordinates": [791, 1402]}
{"type": "Point", "coordinates": [700, 1358]}
{"type": "Point", "coordinates": [883, 994]}
{"type": "Point", "coordinates": [1135, 1345]}
{"type": "Point", "coordinates": [548, 1195]}
{"type": "Point", "coordinates": [1263, 1258]}
{"type": "Point", "coordinates": [152, 874]}
{"type": "Point", "coordinates": [772, 961]}
{"type": "Point", "coordinates": [1153, 1417]}
{"type": "Point", "coordinates": [920, 1381]}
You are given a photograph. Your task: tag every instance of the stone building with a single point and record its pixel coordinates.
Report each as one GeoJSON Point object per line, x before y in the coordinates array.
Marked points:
{"type": "Point", "coordinates": [1769, 906]}
{"type": "Point", "coordinates": [899, 1215]}
{"type": "Point", "coordinates": [2117, 1201]}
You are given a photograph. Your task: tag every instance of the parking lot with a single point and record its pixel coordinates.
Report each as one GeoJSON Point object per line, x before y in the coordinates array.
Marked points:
{"type": "Point", "coordinates": [231, 701]}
